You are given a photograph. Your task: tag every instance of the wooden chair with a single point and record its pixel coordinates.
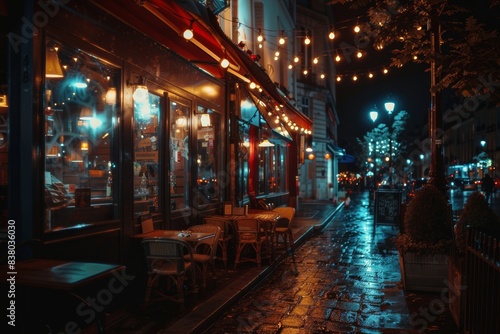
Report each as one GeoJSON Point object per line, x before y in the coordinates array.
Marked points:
{"type": "Point", "coordinates": [147, 226]}
{"type": "Point", "coordinates": [251, 235]}
{"type": "Point", "coordinates": [283, 228]}
{"type": "Point", "coordinates": [205, 251]}
{"type": "Point", "coordinates": [225, 236]}
{"type": "Point", "coordinates": [166, 257]}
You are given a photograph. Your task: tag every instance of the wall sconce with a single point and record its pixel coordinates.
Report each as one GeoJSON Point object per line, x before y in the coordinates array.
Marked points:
{"type": "Point", "coordinates": [266, 143]}
{"type": "Point", "coordinates": [141, 91]}
{"type": "Point", "coordinates": [311, 156]}
{"type": "Point", "coordinates": [205, 120]}
{"type": "Point", "coordinates": [111, 96]}
{"type": "Point", "coordinates": [327, 156]}
{"type": "Point", "coordinates": [53, 67]}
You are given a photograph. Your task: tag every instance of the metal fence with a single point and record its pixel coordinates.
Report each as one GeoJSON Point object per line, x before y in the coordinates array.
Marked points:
{"type": "Point", "coordinates": [482, 296]}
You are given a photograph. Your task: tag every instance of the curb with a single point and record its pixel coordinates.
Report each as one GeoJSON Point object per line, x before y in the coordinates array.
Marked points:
{"type": "Point", "coordinates": [202, 317]}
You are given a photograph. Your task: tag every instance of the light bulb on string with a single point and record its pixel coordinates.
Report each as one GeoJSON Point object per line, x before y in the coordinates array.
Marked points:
{"type": "Point", "coordinates": [357, 28]}
{"type": "Point", "coordinates": [281, 41]}
{"type": "Point", "coordinates": [307, 40]}
{"type": "Point", "coordinates": [359, 54]}
{"type": "Point", "coordinates": [296, 59]}
{"type": "Point", "coordinates": [355, 77]}
{"type": "Point", "coordinates": [339, 78]}
{"type": "Point", "coordinates": [331, 35]}
{"type": "Point", "coordinates": [260, 38]}
{"type": "Point", "coordinates": [315, 60]}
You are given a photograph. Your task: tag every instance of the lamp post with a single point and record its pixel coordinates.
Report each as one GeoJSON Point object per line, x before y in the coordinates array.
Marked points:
{"type": "Point", "coordinates": [373, 117]}
{"type": "Point", "coordinates": [389, 106]}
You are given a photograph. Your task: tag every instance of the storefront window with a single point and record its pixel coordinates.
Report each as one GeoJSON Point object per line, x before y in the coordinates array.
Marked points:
{"type": "Point", "coordinates": [179, 154]}
{"type": "Point", "coordinates": [146, 147]}
{"type": "Point", "coordinates": [4, 130]}
{"type": "Point", "coordinates": [243, 155]}
{"type": "Point", "coordinates": [80, 108]}
{"type": "Point", "coordinates": [208, 153]}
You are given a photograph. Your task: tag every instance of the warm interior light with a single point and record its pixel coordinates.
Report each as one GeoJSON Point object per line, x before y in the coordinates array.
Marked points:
{"type": "Point", "coordinates": [327, 156]}
{"type": "Point", "coordinates": [188, 34]}
{"type": "Point", "coordinates": [331, 35]}
{"type": "Point", "coordinates": [140, 94]}
{"type": "Point", "coordinates": [84, 146]}
{"type": "Point", "coordinates": [53, 67]}
{"type": "Point", "coordinates": [311, 156]}
{"type": "Point", "coordinates": [181, 122]}
{"type": "Point", "coordinates": [266, 143]}
{"type": "Point", "coordinates": [337, 58]}
{"type": "Point", "coordinates": [315, 60]}
{"type": "Point", "coordinates": [260, 38]}
{"type": "Point", "coordinates": [205, 120]}
{"type": "Point", "coordinates": [307, 41]}
{"type": "Point", "coordinates": [281, 40]}
{"type": "Point", "coordinates": [252, 85]}
{"type": "Point", "coordinates": [356, 29]}
{"type": "Point", "coordinates": [111, 96]}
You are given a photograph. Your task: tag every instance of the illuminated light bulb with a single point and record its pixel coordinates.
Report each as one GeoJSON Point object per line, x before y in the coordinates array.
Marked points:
{"type": "Point", "coordinates": [339, 78]}
{"type": "Point", "coordinates": [354, 78]}
{"type": "Point", "coordinates": [281, 41]}
{"type": "Point", "coordinates": [331, 35]}
{"type": "Point", "coordinates": [276, 58]}
{"type": "Point", "coordinates": [315, 60]}
{"type": "Point", "coordinates": [188, 34]}
{"type": "Point", "coordinates": [296, 59]}
{"type": "Point", "coordinates": [415, 57]}
{"type": "Point", "coordinates": [337, 58]}
{"type": "Point", "coordinates": [322, 76]}
{"type": "Point", "coordinates": [224, 63]}
{"type": "Point", "coordinates": [386, 71]}
{"type": "Point", "coordinates": [305, 72]}
{"type": "Point", "coordinates": [356, 29]}
{"type": "Point", "coordinates": [307, 41]}
{"type": "Point", "coordinates": [260, 38]}
{"type": "Point", "coordinates": [370, 75]}
{"type": "Point", "coordinates": [260, 46]}
{"type": "Point", "coordinates": [276, 121]}
{"type": "Point", "coordinates": [277, 53]}
{"type": "Point", "coordinates": [290, 66]}
{"type": "Point", "coordinates": [359, 54]}
{"type": "Point", "coordinates": [252, 85]}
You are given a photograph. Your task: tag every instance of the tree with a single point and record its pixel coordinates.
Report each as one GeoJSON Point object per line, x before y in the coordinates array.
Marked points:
{"type": "Point", "coordinates": [468, 55]}
{"type": "Point", "coordinates": [375, 147]}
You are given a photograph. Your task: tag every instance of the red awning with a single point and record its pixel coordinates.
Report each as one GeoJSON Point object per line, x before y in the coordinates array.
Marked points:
{"type": "Point", "coordinates": [165, 21]}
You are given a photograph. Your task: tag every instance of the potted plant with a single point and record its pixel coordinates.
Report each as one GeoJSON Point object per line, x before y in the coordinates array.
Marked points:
{"type": "Point", "coordinates": [478, 216]}
{"type": "Point", "coordinates": [425, 241]}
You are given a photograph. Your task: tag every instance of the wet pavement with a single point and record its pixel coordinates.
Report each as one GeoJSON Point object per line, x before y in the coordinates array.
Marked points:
{"type": "Point", "coordinates": [348, 281]}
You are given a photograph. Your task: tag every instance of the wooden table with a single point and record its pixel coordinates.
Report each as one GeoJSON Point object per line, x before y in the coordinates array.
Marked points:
{"type": "Point", "coordinates": [193, 238]}
{"type": "Point", "coordinates": [67, 277]}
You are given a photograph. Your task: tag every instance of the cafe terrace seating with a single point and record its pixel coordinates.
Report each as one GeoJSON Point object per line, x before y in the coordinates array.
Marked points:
{"type": "Point", "coordinates": [283, 227]}
{"type": "Point", "coordinates": [204, 252]}
{"type": "Point", "coordinates": [225, 236]}
{"type": "Point", "coordinates": [166, 257]}
{"type": "Point", "coordinates": [251, 236]}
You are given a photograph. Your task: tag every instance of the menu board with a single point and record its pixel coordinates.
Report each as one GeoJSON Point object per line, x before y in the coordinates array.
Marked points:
{"type": "Point", "coordinates": [387, 207]}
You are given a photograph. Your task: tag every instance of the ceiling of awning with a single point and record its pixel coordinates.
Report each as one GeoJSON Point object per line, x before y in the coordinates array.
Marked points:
{"type": "Point", "coordinates": [165, 21]}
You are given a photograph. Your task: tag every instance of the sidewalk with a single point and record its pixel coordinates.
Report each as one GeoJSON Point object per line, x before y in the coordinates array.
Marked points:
{"type": "Point", "coordinates": [229, 286]}
{"type": "Point", "coordinates": [348, 281]}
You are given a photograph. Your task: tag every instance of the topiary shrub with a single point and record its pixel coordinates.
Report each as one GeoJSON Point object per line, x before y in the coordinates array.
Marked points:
{"type": "Point", "coordinates": [427, 223]}
{"type": "Point", "coordinates": [479, 216]}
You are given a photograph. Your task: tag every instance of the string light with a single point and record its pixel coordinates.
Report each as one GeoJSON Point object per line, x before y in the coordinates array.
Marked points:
{"type": "Point", "coordinates": [315, 60]}
{"type": "Point", "coordinates": [282, 38]}
{"type": "Point", "coordinates": [331, 35]}
{"type": "Point", "coordinates": [260, 38]}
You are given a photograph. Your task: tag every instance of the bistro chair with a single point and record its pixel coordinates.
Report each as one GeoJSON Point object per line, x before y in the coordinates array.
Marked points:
{"type": "Point", "coordinates": [251, 236]}
{"type": "Point", "coordinates": [166, 257]}
{"type": "Point", "coordinates": [283, 234]}
{"type": "Point", "coordinates": [225, 236]}
{"type": "Point", "coordinates": [204, 252]}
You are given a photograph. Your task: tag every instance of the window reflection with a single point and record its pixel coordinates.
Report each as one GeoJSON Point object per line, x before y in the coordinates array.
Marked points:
{"type": "Point", "coordinates": [146, 158]}
{"type": "Point", "coordinates": [80, 108]}
{"type": "Point", "coordinates": [179, 154]}
{"type": "Point", "coordinates": [208, 151]}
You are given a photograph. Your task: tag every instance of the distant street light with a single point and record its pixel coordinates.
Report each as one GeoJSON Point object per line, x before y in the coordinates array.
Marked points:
{"type": "Point", "coordinates": [389, 106]}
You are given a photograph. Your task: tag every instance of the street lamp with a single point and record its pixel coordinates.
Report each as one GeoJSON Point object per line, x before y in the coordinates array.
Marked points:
{"type": "Point", "coordinates": [389, 106]}
{"type": "Point", "coordinates": [373, 117]}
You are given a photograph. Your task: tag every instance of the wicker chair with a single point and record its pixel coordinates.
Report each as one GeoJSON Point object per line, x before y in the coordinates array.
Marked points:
{"type": "Point", "coordinates": [225, 236]}
{"type": "Point", "coordinates": [166, 257]}
{"type": "Point", "coordinates": [251, 235]}
{"type": "Point", "coordinates": [283, 228]}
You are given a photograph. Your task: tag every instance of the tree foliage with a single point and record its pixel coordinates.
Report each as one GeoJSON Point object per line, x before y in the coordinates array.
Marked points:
{"type": "Point", "coordinates": [468, 60]}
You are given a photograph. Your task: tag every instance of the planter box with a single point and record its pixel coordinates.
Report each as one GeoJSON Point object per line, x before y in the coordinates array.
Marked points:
{"type": "Point", "coordinates": [423, 272]}
{"type": "Point", "coordinates": [457, 304]}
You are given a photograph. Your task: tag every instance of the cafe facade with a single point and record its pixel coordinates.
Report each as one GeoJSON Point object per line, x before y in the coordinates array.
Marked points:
{"type": "Point", "coordinates": [113, 115]}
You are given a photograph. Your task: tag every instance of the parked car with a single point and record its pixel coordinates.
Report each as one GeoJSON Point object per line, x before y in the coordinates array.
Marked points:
{"type": "Point", "coordinates": [470, 184]}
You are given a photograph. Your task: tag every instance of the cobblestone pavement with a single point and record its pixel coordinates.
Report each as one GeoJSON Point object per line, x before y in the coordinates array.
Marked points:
{"type": "Point", "coordinates": [348, 281]}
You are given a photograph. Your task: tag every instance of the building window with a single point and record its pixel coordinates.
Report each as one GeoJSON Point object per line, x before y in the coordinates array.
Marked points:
{"type": "Point", "coordinates": [80, 108]}
{"type": "Point", "coordinates": [208, 155]}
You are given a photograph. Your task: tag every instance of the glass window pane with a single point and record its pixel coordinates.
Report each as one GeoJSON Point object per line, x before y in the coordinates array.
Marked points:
{"type": "Point", "coordinates": [208, 151]}
{"type": "Point", "coordinates": [179, 155]}
{"type": "Point", "coordinates": [80, 116]}
{"type": "Point", "coordinates": [146, 158]}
